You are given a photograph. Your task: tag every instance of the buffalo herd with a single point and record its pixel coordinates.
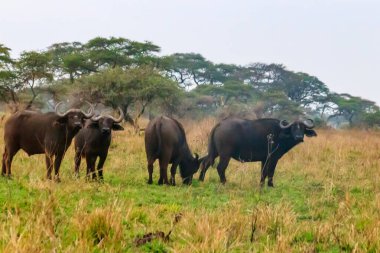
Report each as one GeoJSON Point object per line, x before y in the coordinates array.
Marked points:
{"type": "Point", "coordinates": [263, 140]}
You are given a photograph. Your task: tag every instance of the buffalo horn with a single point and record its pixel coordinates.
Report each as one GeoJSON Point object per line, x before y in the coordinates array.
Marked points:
{"type": "Point", "coordinates": [309, 123]}
{"type": "Point", "coordinates": [57, 111]}
{"type": "Point", "coordinates": [121, 117]}
{"type": "Point", "coordinates": [96, 118]}
{"type": "Point", "coordinates": [90, 112]}
{"type": "Point", "coordinates": [283, 124]}
{"type": "Point", "coordinates": [87, 115]}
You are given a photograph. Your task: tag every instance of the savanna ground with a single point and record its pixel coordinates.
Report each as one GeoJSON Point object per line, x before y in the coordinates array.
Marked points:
{"type": "Point", "coordinates": [326, 199]}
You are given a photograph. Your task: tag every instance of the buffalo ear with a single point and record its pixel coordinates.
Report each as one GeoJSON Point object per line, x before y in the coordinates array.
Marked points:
{"type": "Point", "coordinates": [117, 127]}
{"type": "Point", "coordinates": [310, 133]}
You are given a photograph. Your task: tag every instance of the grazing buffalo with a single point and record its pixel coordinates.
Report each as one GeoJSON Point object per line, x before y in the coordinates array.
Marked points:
{"type": "Point", "coordinates": [93, 141]}
{"type": "Point", "coordinates": [264, 140]}
{"type": "Point", "coordinates": [165, 140]}
{"type": "Point", "coordinates": [38, 133]}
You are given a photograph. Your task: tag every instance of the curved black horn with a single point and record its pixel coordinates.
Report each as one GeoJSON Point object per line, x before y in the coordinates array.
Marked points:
{"type": "Point", "coordinates": [90, 112]}
{"type": "Point", "coordinates": [284, 124]}
{"type": "Point", "coordinates": [121, 116]}
{"type": "Point", "coordinates": [309, 123]}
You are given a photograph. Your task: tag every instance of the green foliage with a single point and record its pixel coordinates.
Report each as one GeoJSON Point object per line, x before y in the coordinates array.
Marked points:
{"type": "Point", "coordinates": [33, 69]}
{"type": "Point", "coordinates": [7, 75]}
{"type": "Point", "coordinates": [132, 89]}
{"type": "Point", "coordinates": [141, 78]}
{"type": "Point", "coordinates": [227, 91]}
{"type": "Point", "coordinates": [187, 69]}
{"type": "Point", "coordinates": [372, 119]}
{"type": "Point", "coordinates": [354, 109]}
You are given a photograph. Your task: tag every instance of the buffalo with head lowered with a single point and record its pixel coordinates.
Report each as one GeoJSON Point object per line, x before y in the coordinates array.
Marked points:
{"type": "Point", "coordinates": [165, 140]}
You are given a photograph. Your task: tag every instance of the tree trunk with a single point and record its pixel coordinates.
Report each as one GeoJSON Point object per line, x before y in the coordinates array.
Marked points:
{"type": "Point", "coordinates": [29, 105]}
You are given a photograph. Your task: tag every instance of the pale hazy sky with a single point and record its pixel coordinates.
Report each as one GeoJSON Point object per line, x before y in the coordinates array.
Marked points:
{"type": "Point", "coordinates": [336, 40]}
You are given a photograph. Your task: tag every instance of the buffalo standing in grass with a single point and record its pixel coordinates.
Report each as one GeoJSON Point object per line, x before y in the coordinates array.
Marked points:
{"type": "Point", "coordinates": [38, 133]}
{"type": "Point", "coordinates": [265, 140]}
{"type": "Point", "coordinates": [165, 140]}
{"type": "Point", "coordinates": [93, 141]}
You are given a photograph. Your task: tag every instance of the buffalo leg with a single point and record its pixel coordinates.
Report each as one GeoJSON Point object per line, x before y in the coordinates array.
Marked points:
{"type": "Point", "coordinates": [7, 161]}
{"type": "Point", "coordinates": [4, 168]}
{"type": "Point", "coordinates": [264, 172]}
{"type": "Point", "coordinates": [223, 163]}
{"type": "Point", "coordinates": [49, 165]}
{"type": "Point", "coordinates": [57, 165]}
{"type": "Point", "coordinates": [102, 159]}
{"type": "Point", "coordinates": [204, 167]}
{"type": "Point", "coordinates": [173, 171]}
{"type": "Point", "coordinates": [77, 160]}
{"type": "Point", "coordinates": [150, 170]}
{"type": "Point", "coordinates": [163, 172]}
{"type": "Point", "coordinates": [90, 160]}
{"type": "Point", "coordinates": [271, 169]}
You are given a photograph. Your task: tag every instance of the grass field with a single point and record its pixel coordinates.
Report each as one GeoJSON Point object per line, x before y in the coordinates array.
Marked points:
{"type": "Point", "coordinates": [326, 199]}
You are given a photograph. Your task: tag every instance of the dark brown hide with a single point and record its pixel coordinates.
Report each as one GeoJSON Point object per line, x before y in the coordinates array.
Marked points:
{"type": "Point", "coordinates": [93, 141]}
{"type": "Point", "coordinates": [40, 133]}
{"type": "Point", "coordinates": [165, 140]}
{"type": "Point", "coordinates": [247, 141]}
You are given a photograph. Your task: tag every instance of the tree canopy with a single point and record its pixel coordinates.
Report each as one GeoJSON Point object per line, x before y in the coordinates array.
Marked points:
{"type": "Point", "coordinates": [120, 72]}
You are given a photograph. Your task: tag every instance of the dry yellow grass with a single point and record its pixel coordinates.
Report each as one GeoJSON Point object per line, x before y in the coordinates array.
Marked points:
{"type": "Point", "coordinates": [326, 199]}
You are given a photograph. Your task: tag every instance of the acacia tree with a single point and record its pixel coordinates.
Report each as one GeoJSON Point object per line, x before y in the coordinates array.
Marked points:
{"type": "Point", "coordinates": [132, 89]}
{"type": "Point", "coordinates": [302, 88]}
{"type": "Point", "coordinates": [8, 85]}
{"type": "Point", "coordinates": [69, 59]}
{"type": "Point", "coordinates": [143, 53]}
{"type": "Point", "coordinates": [187, 69]}
{"type": "Point", "coordinates": [112, 52]}
{"type": "Point", "coordinates": [33, 69]}
{"type": "Point", "coordinates": [351, 108]}
{"type": "Point", "coordinates": [224, 93]}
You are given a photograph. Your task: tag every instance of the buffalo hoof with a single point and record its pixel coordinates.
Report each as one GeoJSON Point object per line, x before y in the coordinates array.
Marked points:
{"type": "Point", "coordinates": [270, 184]}
{"type": "Point", "coordinates": [150, 181]}
{"type": "Point", "coordinates": [9, 177]}
{"type": "Point", "coordinates": [57, 180]}
{"type": "Point", "coordinates": [187, 181]}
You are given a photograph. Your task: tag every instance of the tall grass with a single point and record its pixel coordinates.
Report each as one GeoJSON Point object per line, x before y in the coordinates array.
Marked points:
{"type": "Point", "coordinates": [326, 199]}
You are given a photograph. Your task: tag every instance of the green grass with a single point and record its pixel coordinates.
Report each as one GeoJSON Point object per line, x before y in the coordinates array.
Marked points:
{"type": "Point", "coordinates": [326, 199]}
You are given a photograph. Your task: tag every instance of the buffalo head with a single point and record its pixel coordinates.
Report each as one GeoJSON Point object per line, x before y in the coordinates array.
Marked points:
{"type": "Point", "coordinates": [188, 167]}
{"type": "Point", "coordinates": [297, 129]}
{"type": "Point", "coordinates": [73, 118]}
{"type": "Point", "coordinates": [107, 123]}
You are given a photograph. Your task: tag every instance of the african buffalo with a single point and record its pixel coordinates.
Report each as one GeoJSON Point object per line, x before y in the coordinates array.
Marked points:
{"type": "Point", "coordinates": [265, 140]}
{"type": "Point", "coordinates": [38, 133]}
{"type": "Point", "coordinates": [165, 140]}
{"type": "Point", "coordinates": [93, 141]}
